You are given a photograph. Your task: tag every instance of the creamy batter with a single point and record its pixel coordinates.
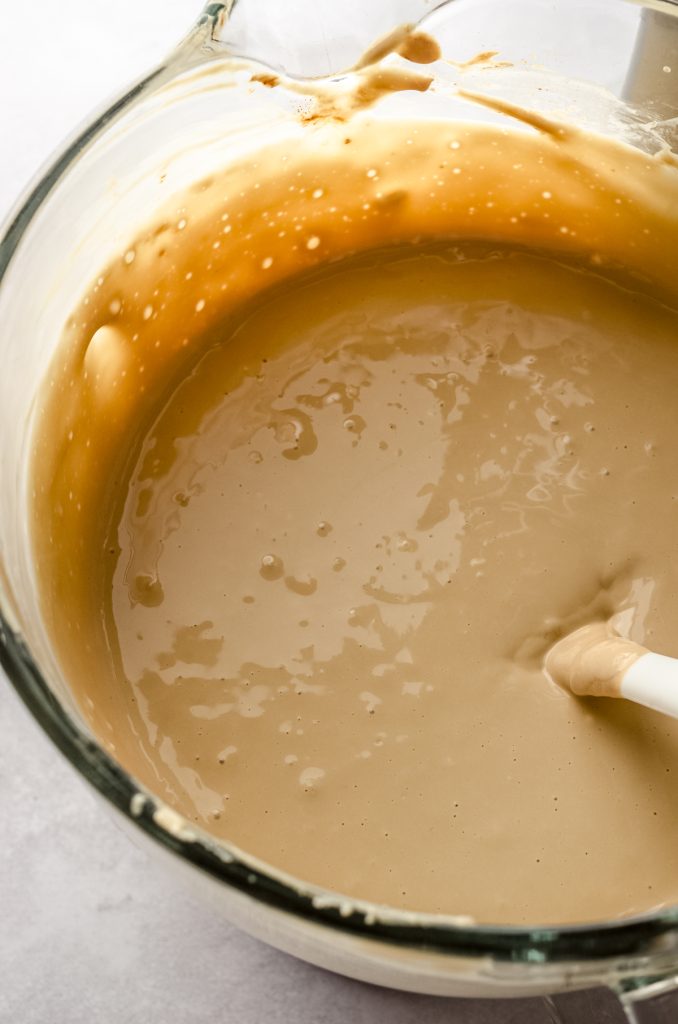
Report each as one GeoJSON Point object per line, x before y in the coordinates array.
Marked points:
{"type": "Point", "coordinates": [324, 468]}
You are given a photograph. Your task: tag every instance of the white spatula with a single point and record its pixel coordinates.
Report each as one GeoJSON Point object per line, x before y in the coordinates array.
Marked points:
{"type": "Point", "coordinates": [595, 661]}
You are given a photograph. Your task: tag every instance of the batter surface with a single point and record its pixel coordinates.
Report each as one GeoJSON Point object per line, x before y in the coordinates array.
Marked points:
{"type": "Point", "coordinates": [308, 528]}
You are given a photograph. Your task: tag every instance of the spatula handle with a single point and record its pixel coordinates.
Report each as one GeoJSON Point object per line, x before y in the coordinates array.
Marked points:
{"type": "Point", "coordinates": [652, 680]}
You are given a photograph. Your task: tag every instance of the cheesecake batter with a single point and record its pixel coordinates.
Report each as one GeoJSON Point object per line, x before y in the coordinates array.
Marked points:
{"type": "Point", "coordinates": [323, 468]}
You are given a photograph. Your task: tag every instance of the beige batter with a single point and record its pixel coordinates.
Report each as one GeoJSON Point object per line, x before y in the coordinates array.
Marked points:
{"type": "Point", "coordinates": [306, 529]}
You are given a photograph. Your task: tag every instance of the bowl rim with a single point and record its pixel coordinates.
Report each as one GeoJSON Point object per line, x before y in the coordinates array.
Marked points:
{"type": "Point", "coordinates": [638, 936]}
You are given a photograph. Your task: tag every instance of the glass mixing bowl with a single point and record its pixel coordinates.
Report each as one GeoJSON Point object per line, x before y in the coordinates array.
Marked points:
{"type": "Point", "coordinates": [608, 65]}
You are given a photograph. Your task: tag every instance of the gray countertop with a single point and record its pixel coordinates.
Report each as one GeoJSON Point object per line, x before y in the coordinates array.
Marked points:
{"type": "Point", "coordinates": [90, 929]}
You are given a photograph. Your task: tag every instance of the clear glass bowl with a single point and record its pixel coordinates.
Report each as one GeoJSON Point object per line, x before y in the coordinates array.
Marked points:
{"type": "Point", "coordinates": [609, 65]}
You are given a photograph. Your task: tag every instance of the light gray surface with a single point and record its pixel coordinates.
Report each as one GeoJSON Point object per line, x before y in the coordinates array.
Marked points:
{"type": "Point", "coordinates": [90, 929]}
